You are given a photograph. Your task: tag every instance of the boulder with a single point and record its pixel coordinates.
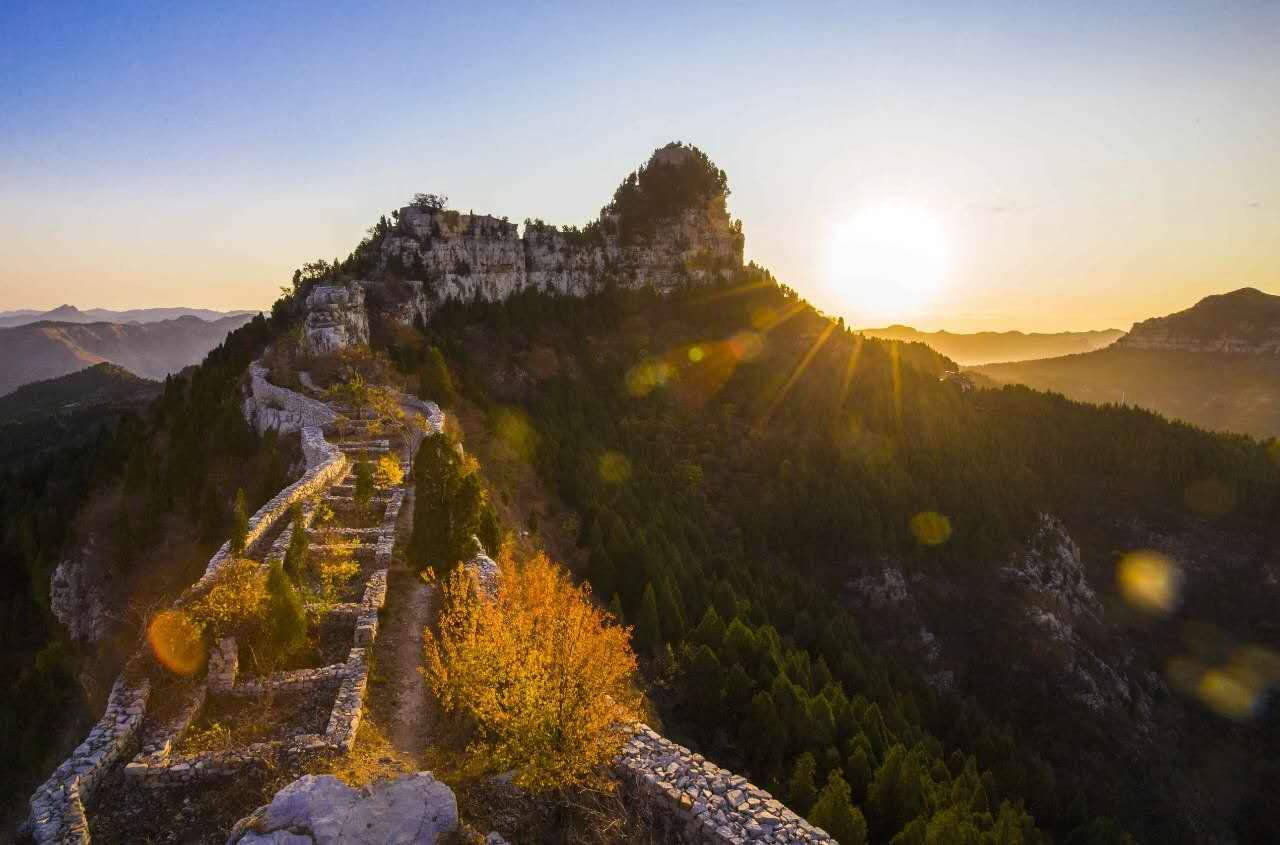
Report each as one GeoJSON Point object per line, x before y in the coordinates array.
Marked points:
{"type": "Point", "coordinates": [321, 810]}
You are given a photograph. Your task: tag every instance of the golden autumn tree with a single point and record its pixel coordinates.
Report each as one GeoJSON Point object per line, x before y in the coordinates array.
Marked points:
{"type": "Point", "coordinates": [537, 673]}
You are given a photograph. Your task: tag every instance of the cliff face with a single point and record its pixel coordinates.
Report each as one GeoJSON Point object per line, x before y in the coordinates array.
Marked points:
{"type": "Point", "coordinates": [443, 254]}
{"type": "Point", "coordinates": [1243, 321]}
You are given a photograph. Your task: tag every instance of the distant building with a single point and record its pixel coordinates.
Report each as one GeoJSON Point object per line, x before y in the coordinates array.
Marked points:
{"type": "Point", "coordinates": [962, 380]}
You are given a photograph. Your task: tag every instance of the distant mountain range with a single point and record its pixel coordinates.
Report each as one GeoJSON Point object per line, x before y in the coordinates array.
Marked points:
{"type": "Point", "coordinates": [72, 314]}
{"type": "Point", "coordinates": [1216, 364]}
{"type": "Point", "coordinates": [46, 349]}
{"type": "Point", "coordinates": [989, 347]}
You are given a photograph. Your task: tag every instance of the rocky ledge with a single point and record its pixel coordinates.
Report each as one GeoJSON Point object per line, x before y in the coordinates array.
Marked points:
{"type": "Point", "coordinates": [320, 810]}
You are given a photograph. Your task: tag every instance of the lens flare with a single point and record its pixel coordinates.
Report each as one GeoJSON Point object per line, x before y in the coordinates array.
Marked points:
{"type": "Point", "coordinates": [1148, 580]}
{"type": "Point", "coordinates": [177, 642]}
{"type": "Point", "coordinates": [746, 346]}
{"type": "Point", "coordinates": [931, 528]}
{"type": "Point", "coordinates": [614, 467]}
{"type": "Point", "coordinates": [514, 432]}
{"type": "Point", "coordinates": [696, 354]}
{"type": "Point", "coordinates": [1223, 693]}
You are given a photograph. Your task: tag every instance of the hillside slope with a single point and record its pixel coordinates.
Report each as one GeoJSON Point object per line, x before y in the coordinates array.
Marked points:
{"type": "Point", "coordinates": [63, 412]}
{"type": "Point", "coordinates": [708, 461]}
{"type": "Point", "coordinates": [46, 350]}
{"type": "Point", "coordinates": [990, 347]}
{"type": "Point", "coordinates": [1216, 365]}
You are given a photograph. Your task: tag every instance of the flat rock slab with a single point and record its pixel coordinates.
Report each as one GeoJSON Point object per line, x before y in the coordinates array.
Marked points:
{"type": "Point", "coordinates": [410, 810]}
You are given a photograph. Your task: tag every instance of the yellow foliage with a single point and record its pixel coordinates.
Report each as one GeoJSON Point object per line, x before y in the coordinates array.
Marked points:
{"type": "Point", "coordinates": [389, 472]}
{"type": "Point", "coordinates": [238, 594]}
{"type": "Point", "coordinates": [539, 673]}
{"type": "Point", "coordinates": [335, 574]}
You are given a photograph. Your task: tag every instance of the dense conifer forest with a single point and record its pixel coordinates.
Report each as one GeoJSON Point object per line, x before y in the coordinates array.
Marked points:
{"type": "Point", "coordinates": [731, 452]}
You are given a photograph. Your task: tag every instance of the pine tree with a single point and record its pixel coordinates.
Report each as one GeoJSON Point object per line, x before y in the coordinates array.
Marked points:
{"type": "Point", "coordinates": [363, 486]}
{"type": "Point", "coordinates": [286, 615]}
{"type": "Point", "coordinates": [615, 608]}
{"type": "Point", "coordinates": [240, 524]}
{"type": "Point", "coordinates": [834, 812]}
{"type": "Point", "coordinates": [295, 556]}
{"type": "Point", "coordinates": [648, 627]}
{"type": "Point", "coordinates": [434, 381]}
{"type": "Point", "coordinates": [858, 769]}
{"type": "Point", "coordinates": [710, 631]}
{"type": "Point", "coordinates": [801, 790]}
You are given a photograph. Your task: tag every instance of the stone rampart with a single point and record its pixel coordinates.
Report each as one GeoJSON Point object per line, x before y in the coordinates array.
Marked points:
{"type": "Point", "coordinates": [269, 406]}
{"type": "Point", "coordinates": [57, 809]}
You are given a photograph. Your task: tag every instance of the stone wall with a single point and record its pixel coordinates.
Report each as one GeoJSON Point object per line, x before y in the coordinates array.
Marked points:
{"type": "Point", "coordinates": [57, 808]}
{"type": "Point", "coordinates": [270, 407]}
{"type": "Point", "coordinates": [702, 803]}
{"type": "Point", "coordinates": [57, 812]}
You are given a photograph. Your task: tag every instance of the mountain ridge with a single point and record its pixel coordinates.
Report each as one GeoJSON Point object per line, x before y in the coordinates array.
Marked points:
{"type": "Point", "coordinates": [48, 349]}
{"type": "Point", "coordinates": [1215, 364]}
{"type": "Point", "coordinates": [989, 347]}
{"type": "Point", "coordinates": [67, 313]}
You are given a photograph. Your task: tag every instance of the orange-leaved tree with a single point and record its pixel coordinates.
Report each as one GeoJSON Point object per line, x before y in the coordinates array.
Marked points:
{"type": "Point", "coordinates": [540, 677]}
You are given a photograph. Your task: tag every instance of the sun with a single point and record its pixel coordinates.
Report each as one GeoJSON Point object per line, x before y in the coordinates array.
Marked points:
{"type": "Point", "coordinates": [887, 262]}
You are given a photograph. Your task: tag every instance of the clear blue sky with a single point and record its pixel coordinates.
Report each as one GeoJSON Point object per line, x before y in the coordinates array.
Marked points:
{"type": "Point", "coordinates": [1088, 164]}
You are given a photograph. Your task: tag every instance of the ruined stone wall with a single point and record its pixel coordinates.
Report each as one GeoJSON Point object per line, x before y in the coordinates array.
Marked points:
{"type": "Point", "coordinates": [270, 407]}
{"type": "Point", "coordinates": [57, 806]}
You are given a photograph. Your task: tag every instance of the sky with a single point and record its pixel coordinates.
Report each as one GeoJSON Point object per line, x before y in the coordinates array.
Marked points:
{"type": "Point", "coordinates": [1064, 165]}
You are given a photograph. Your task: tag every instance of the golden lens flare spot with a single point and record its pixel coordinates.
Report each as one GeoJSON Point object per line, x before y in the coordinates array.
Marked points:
{"type": "Point", "coordinates": [647, 376]}
{"type": "Point", "coordinates": [1226, 693]}
{"type": "Point", "coordinates": [177, 641]}
{"type": "Point", "coordinates": [614, 467]}
{"type": "Point", "coordinates": [696, 354]}
{"type": "Point", "coordinates": [1148, 580]}
{"type": "Point", "coordinates": [763, 316]}
{"type": "Point", "coordinates": [746, 346]}
{"type": "Point", "coordinates": [1209, 497]}
{"type": "Point", "coordinates": [513, 430]}
{"type": "Point", "coordinates": [931, 528]}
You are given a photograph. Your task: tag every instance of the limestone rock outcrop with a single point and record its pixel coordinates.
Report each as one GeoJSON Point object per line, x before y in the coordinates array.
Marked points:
{"type": "Point", "coordinates": [336, 317]}
{"type": "Point", "coordinates": [446, 255]}
{"type": "Point", "coordinates": [321, 810]}
{"type": "Point", "coordinates": [78, 595]}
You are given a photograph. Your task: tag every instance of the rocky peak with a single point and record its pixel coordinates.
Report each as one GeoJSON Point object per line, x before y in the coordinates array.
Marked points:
{"type": "Point", "coordinates": [1244, 321]}
{"type": "Point", "coordinates": [667, 226]}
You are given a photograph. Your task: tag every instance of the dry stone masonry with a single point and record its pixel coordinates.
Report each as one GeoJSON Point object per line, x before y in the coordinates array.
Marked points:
{"type": "Point", "coordinates": [703, 803]}
{"type": "Point", "coordinates": [57, 812]}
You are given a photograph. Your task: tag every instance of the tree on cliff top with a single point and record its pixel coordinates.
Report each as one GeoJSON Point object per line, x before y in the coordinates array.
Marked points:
{"type": "Point", "coordinates": [430, 202]}
{"type": "Point", "coordinates": [678, 177]}
{"type": "Point", "coordinates": [538, 678]}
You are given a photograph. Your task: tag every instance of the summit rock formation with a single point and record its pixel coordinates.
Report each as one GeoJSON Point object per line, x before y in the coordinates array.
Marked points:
{"type": "Point", "coordinates": [667, 227]}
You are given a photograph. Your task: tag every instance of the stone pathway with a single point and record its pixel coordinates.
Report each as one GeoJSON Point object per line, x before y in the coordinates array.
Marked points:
{"type": "Point", "coordinates": [410, 603]}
